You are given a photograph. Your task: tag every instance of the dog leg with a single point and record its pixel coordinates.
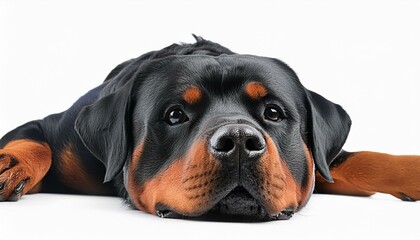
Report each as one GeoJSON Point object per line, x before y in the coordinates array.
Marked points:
{"type": "Point", "coordinates": [365, 173]}
{"type": "Point", "coordinates": [25, 158]}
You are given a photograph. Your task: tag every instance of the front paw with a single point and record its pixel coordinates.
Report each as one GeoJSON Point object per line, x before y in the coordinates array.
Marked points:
{"type": "Point", "coordinates": [14, 178]}
{"type": "Point", "coordinates": [408, 196]}
{"type": "Point", "coordinates": [406, 179]}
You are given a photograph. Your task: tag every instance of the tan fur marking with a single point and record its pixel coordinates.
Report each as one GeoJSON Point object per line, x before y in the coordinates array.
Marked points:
{"type": "Point", "coordinates": [192, 95]}
{"type": "Point", "coordinates": [184, 186]}
{"type": "Point", "coordinates": [364, 173]}
{"type": "Point", "coordinates": [75, 176]}
{"type": "Point", "coordinates": [279, 188]}
{"type": "Point", "coordinates": [255, 90]}
{"type": "Point", "coordinates": [34, 161]}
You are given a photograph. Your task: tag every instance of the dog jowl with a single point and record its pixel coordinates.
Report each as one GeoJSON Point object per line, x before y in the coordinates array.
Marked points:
{"type": "Point", "coordinates": [195, 130]}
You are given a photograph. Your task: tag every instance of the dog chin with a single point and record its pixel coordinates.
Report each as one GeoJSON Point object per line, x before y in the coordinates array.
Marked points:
{"type": "Point", "coordinates": [237, 206]}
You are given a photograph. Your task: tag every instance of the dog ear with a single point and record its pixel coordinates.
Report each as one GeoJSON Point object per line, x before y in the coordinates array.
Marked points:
{"type": "Point", "coordinates": [329, 127]}
{"type": "Point", "coordinates": [104, 127]}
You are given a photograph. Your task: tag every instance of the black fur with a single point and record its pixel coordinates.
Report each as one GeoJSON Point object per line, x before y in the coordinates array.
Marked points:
{"type": "Point", "coordinates": [330, 126]}
{"type": "Point", "coordinates": [109, 121]}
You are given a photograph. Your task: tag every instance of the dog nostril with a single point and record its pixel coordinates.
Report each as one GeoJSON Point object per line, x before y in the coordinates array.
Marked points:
{"type": "Point", "coordinates": [254, 144]}
{"type": "Point", "coordinates": [225, 144]}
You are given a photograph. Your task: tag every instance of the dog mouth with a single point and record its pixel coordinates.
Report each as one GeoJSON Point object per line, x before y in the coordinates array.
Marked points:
{"type": "Point", "coordinates": [237, 206]}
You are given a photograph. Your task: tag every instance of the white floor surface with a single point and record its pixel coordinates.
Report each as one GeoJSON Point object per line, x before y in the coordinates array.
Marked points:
{"type": "Point", "coordinates": [51, 216]}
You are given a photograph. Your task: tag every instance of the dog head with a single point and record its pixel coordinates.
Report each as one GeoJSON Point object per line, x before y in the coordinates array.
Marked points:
{"type": "Point", "coordinates": [195, 130]}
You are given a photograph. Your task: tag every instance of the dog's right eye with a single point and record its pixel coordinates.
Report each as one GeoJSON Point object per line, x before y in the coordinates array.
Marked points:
{"type": "Point", "coordinates": [176, 116]}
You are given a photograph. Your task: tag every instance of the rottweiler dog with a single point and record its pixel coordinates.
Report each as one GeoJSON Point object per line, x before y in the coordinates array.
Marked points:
{"type": "Point", "coordinates": [196, 130]}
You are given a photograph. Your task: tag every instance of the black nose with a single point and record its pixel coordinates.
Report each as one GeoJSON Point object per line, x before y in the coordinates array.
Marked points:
{"type": "Point", "coordinates": [237, 139]}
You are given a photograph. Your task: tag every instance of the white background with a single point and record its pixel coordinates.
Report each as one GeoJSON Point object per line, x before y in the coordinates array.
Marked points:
{"type": "Point", "coordinates": [364, 55]}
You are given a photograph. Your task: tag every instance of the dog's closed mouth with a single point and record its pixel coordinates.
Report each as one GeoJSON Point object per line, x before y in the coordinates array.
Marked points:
{"type": "Point", "coordinates": [237, 206]}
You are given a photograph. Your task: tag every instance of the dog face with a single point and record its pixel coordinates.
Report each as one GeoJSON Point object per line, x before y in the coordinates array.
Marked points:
{"type": "Point", "coordinates": [229, 135]}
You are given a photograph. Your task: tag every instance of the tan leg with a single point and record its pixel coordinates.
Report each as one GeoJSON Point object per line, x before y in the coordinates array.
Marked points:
{"type": "Point", "coordinates": [365, 173]}
{"type": "Point", "coordinates": [23, 164]}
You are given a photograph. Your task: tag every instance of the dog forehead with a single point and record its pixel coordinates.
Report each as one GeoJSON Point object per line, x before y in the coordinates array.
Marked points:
{"type": "Point", "coordinates": [200, 80]}
{"type": "Point", "coordinates": [225, 72]}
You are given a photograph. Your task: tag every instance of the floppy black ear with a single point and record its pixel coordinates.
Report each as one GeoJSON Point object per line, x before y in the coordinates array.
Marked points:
{"type": "Point", "coordinates": [104, 129]}
{"type": "Point", "coordinates": [329, 128]}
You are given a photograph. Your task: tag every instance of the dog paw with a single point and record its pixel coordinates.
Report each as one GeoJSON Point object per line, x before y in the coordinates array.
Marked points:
{"type": "Point", "coordinates": [15, 175]}
{"type": "Point", "coordinates": [409, 196]}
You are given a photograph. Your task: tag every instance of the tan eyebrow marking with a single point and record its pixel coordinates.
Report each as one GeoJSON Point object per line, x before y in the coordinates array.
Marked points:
{"type": "Point", "coordinates": [192, 95]}
{"type": "Point", "coordinates": [255, 90]}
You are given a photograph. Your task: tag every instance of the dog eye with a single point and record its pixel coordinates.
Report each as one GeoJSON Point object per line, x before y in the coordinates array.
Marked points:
{"type": "Point", "coordinates": [176, 116]}
{"type": "Point", "coordinates": [273, 113]}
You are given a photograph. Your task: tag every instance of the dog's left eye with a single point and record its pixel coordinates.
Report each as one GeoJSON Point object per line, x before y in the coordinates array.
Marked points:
{"type": "Point", "coordinates": [273, 113]}
{"type": "Point", "coordinates": [176, 116]}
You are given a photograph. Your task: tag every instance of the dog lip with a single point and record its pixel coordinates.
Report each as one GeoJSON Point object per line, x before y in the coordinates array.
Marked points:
{"type": "Point", "coordinates": [163, 211]}
{"type": "Point", "coordinates": [229, 208]}
{"type": "Point", "coordinates": [284, 215]}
